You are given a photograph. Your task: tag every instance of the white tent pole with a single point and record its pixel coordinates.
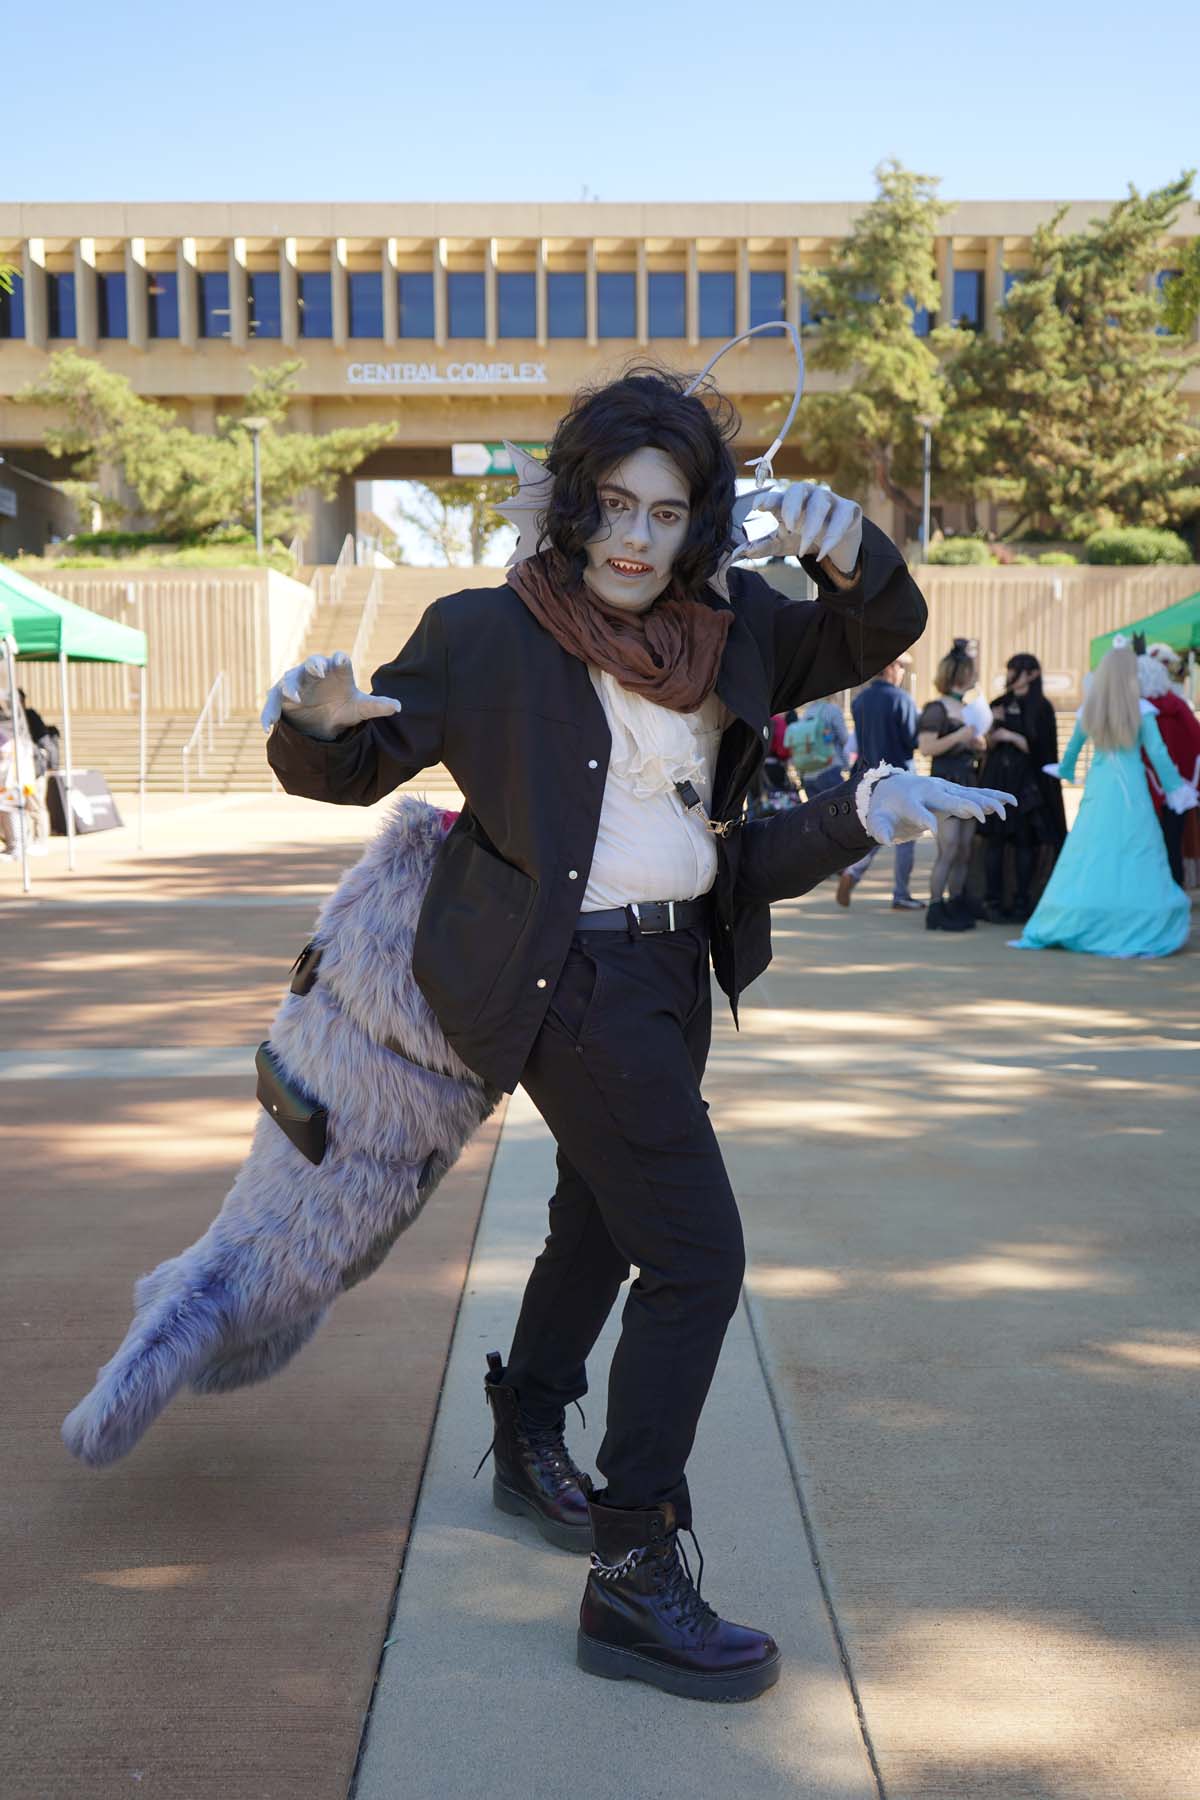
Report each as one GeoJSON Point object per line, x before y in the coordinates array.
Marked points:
{"type": "Point", "coordinates": [10, 660]}
{"type": "Point", "coordinates": [141, 835]}
{"type": "Point", "coordinates": [66, 713]}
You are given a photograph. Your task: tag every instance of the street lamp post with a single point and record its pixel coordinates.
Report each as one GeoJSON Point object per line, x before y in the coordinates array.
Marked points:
{"type": "Point", "coordinates": [926, 425]}
{"type": "Point", "coordinates": [256, 427]}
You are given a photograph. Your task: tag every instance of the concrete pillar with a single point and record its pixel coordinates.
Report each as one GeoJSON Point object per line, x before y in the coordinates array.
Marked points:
{"type": "Point", "coordinates": [87, 321]}
{"type": "Point", "coordinates": [33, 268]}
{"type": "Point", "coordinates": [741, 302]}
{"type": "Point", "coordinates": [239, 295]}
{"type": "Point", "coordinates": [289, 293]}
{"type": "Point", "coordinates": [137, 298]}
{"type": "Point", "coordinates": [944, 254]}
{"type": "Point", "coordinates": [391, 297]}
{"type": "Point", "coordinates": [642, 294]}
{"type": "Point", "coordinates": [993, 286]}
{"type": "Point", "coordinates": [592, 297]}
{"type": "Point", "coordinates": [327, 522]}
{"type": "Point", "coordinates": [204, 416]}
{"type": "Point", "coordinates": [793, 295]}
{"type": "Point", "coordinates": [189, 299]}
{"type": "Point", "coordinates": [691, 298]}
{"type": "Point", "coordinates": [491, 322]}
{"type": "Point", "coordinates": [339, 293]}
{"type": "Point", "coordinates": [441, 309]}
{"type": "Point", "coordinates": [541, 307]}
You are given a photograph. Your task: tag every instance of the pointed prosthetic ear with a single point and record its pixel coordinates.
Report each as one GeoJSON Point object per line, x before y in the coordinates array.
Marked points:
{"type": "Point", "coordinates": [528, 507]}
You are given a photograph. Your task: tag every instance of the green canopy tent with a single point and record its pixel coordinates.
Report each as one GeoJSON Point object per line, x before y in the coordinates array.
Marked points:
{"type": "Point", "coordinates": [1177, 625]}
{"type": "Point", "coordinates": [46, 628]}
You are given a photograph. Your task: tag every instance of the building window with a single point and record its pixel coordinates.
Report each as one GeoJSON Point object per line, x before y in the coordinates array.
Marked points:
{"type": "Point", "coordinates": [111, 308]}
{"type": "Point", "coordinates": [60, 305]}
{"type": "Point", "coordinates": [162, 303]}
{"type": "Point", "coordinates": [616, 305]}
{"type": "Point", "coordinates": [366, 304]}
{"type": "Point", "coordinates": [266, 317]}
{"type": "Point", "coordinates": [464, 294]}
{"type": "Point", "coordinates": [214, 303]}
{"type": "Point", "coordinates": [921, 321]}
{"type": "Point", "coordinates": [12, 310]}
{"type": "Point", "coordinates": [1161, 280]}
{"type": "Point", "coordinates": [415, 296]}
{"type": "Point", "coordinates": [566, 306]}
{"type": "Point", "coordinates": [768, 298]}
{"type": "Point", "coordinates": [718, 303]}
{"type": "Point", "coordinates": [516, 304]}
{"type": "Point", "coordinates": [667, 306]}
{"type": "Point", "coordinates": [316, 305]}
{"type": "Point", "coordinates": [809, 314]}
{"type": "Point", "coordinates": [968, 299]}
{"type": "Point", "coordinates": [1012, 277]}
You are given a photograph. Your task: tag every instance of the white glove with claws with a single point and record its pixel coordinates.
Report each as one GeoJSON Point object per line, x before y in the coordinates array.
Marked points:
{"type": "Point", "coordinates": [813, 521]}
{"type": "Point", "coordinates": [902, 806]}
{"type": "Point", "coordinates": [321, 698]}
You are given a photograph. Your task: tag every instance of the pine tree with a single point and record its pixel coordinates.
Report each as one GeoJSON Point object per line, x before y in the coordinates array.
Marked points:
{"type": "Point", "coordinates": [189, 484]}
{"type": "Point", "coordinates": [863, 311]}
{"type": "Point", "coordinates": [1072, 417]}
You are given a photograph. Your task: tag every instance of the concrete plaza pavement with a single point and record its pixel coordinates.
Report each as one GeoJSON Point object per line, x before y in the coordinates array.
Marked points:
{"type": "Point", "coordinates": [949, 1457]}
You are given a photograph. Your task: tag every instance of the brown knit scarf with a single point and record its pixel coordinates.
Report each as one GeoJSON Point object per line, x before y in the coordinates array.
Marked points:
{"type": "Point", "coordinates": [670, 654]}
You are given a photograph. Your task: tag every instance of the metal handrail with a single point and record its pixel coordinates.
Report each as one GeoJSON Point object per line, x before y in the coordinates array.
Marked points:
{"type": "Point", "coordinates": [366, 625]}
{"type": "Point", "coordinates": [216, 703]}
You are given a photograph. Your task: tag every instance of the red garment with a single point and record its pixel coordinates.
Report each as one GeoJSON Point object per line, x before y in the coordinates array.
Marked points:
{"type": "Point", "coordinates": [779, 726]}
{"type": "Point", "coordinates": [1181, 734]}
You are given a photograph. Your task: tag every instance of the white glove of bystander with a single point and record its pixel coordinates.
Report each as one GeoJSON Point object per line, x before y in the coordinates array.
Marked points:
{"type": "Point", "coordinates": [813, 521]}
{"type": "Point", "coordinates": [1183, 798]}
{"type": "Point", "coordinates": [321, 698]}
{"type": "Point", "coordinates": [901, 807]}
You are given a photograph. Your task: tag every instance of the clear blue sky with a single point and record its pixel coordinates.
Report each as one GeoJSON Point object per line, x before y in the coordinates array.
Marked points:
{"type": "Point", "coordinates": [631, 99]}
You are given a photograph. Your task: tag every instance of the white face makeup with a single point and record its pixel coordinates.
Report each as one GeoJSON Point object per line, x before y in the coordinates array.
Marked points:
{"type": "Point", "coordinates": [644, 513]}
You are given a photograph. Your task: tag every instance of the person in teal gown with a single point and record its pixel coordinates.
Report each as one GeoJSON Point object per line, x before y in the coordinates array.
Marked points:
{"type": "Point", "coordinates": [1111, 892]}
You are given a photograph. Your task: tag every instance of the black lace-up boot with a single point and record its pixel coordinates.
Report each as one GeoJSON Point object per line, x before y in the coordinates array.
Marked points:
{"type": "Point", "coordinates": [642, 1617]}
{"type": "Point", "coordinates": [535, 1477]}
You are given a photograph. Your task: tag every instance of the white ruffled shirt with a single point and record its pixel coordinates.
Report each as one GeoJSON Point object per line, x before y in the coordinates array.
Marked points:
{"type": "Point", "coordinates": [647, 846]}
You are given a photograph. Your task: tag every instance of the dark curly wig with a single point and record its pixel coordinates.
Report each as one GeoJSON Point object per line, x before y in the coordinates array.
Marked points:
{"type": "Point", "coordinates": [645, 408]}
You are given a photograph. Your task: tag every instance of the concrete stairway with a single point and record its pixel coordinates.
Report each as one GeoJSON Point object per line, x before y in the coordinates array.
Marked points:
{"type": "Point", "coordinates": [237, 762]}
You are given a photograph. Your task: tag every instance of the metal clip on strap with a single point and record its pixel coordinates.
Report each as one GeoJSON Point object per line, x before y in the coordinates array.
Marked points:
{"type": "Point", "coordinates": [692, 803]}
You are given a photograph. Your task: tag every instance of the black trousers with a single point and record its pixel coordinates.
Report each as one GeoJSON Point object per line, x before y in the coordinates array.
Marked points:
{"type": "Point", "coordinates": [615, 1072]}
{"type": "Point", "coordinates": [1172, 829]}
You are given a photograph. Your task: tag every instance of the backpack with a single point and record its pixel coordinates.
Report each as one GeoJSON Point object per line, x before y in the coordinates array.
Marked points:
{"type": "Point", "coordinates": [810, 741]}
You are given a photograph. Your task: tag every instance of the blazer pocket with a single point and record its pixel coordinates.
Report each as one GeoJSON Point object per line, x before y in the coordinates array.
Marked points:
{"type": "Point", "coordinates": [471, 923]}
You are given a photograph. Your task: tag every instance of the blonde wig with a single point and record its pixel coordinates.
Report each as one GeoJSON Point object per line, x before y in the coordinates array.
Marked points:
{"type": "Point", "coordinates": [956, 671]}
{"type": "Point", "coordinates": [1112, 708]}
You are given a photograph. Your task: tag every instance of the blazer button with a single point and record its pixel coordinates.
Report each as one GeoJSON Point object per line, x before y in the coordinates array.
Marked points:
{"type": "Point", "coordinates": [833, 811]}
{"type": "Point", "coordinates": [592, 763]}
{"type": "Point", "coordinates": [572, 874]}
{"type": "Point", "coordinates": [845, 806]}
{"type": "Point", "coordinates": [541, 981]}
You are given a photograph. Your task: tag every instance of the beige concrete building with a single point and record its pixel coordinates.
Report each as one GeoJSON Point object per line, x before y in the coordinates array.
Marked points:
{"type": "Point", "coordinates": [455, 323]}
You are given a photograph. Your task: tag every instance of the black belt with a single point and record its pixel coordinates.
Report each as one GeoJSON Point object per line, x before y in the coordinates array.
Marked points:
{"type": "Point", "coordinates": [642, 918]}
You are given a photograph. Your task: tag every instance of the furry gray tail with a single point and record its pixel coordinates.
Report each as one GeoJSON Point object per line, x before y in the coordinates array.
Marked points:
{"type": "Point", "coordinates": [181, 1317]}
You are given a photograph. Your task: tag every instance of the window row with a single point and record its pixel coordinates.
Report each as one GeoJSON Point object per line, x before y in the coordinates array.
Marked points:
{"type": "Point", "coordinates": [516, 304]}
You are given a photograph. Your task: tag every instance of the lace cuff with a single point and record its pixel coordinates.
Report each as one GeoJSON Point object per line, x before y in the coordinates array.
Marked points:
{"type": "Point", "coordinates": [862, 796]}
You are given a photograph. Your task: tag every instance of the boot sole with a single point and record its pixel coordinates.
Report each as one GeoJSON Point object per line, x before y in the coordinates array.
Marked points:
{"type": "Point", "coordinates": [612, 1664]}
{"type": "Point", "coordinates": [576, 1538]}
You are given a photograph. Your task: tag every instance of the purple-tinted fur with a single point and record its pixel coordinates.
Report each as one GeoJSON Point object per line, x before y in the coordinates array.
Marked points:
{"type": "Point", "coordinates": [291, 1236]}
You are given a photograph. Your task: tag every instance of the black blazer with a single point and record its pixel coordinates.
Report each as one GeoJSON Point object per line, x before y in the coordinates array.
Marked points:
{"type": "Point", "coordinates": [486, 690]}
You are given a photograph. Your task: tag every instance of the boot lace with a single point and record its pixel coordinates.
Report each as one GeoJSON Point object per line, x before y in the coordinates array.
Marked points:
{"type": "Point", "coordinates": [549, 1450]}
{"type": "Point", "coordinates": [674, 1581]}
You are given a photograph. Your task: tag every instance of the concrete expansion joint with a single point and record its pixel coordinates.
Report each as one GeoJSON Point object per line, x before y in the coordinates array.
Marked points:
{"type": "Point", "coordinates": [839, 1638]}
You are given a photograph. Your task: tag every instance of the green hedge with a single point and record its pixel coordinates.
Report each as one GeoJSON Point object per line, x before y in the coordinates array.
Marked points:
{"type": "Point", "coordinates": [1136, 544]}
{"type": "Point", "coordinates": [1058, 559]}
{"type": "Point", "coordinates": [961, 552]}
